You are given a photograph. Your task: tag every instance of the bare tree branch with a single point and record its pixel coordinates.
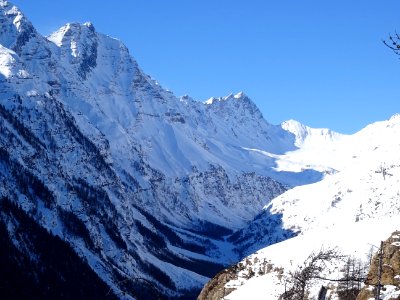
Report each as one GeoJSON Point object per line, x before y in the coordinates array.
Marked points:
{"type": "Point", "coordinates": [393, 43]}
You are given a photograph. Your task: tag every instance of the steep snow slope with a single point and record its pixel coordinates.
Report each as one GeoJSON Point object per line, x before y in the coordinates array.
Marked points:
{"type": "Point", "coordinates": [112, 99]}
{"type": "Point", "coordinates": [352, 210]}
{"type": "Point", "coordinates": [366, 186]}
{"type": "Point", "coordinates": [316, 149]}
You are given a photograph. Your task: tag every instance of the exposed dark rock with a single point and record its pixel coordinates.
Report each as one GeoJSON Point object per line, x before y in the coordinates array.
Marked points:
{"type": "Point", "coordinates": [390, 275]}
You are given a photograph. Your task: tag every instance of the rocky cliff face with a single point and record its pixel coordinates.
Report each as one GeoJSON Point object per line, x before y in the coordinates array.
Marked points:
{"type": "Point", "coordinates": [390, 272]}
{"type": "Point", "coordinates": [215, 289]}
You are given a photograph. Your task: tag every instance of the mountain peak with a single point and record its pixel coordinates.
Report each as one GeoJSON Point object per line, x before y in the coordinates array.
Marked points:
{"type": "Point", "coordinates": [70, 29]}
{"type": "Point", "coordinates": [90, 26]}
{"type": "Point", "coordinates": [395, 118]}
{"type": "Point", "coordinates": [231, 96]}
{"type": "Point", "coordinates": [79, 43]}
{"type": "Point", "coordinates": [240, 95]}
{"type": "Point", "coordinates": [239, 104]}
{"type": "Point", "coordinates": [293, 126]}
{"type": "Point", "coordinates": [78, 27]}
{"type": "Point", "coordinates": [17, 30]}
{"type": "Point", "coordinates": [3, 4]}
{"type": "Point", "coordinates": [11, 14]}
{"type": "Point", "coordinates": [305, 134]}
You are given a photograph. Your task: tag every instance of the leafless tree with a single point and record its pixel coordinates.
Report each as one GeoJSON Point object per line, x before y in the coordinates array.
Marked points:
{"type": "Point", "coordinates": [310, 270]}
{"type": "Point", "coordinates": [354, 274]}
{"type": "Point", "coordinates": [384, 171]}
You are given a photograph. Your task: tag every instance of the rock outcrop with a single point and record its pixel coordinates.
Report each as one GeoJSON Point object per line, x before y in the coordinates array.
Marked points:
{"type": "Point", "coordinates": [215, 289]}
{"type": "Point", "coordinates": [390, 275]}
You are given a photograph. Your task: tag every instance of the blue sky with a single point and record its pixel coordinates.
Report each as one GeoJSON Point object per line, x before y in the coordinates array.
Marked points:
{"type": "Point", "coordinates": [319, 62]}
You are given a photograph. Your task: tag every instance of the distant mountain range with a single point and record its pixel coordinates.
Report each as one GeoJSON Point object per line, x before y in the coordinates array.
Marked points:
{"type": "Point", "coordinates": [148, 194]}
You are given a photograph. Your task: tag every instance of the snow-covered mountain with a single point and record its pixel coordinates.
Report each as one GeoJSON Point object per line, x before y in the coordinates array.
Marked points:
{"type": "Point", "coordinates": [350, 210]}
{"type": "Point", "coordinates": [147, 193]}
{"type": "Point", "coordinates": [142, 185]}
